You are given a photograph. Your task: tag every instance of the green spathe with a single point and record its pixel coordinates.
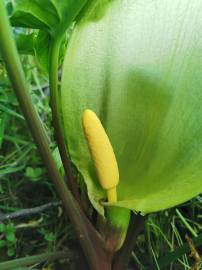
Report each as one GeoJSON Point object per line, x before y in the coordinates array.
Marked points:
{"type": "Point", "coordinates": [119, 218]}
{"type": "Point", "coordinates": [139, 67]}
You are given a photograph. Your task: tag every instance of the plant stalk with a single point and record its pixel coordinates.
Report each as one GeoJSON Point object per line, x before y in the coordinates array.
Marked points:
{"type": "Point", "coordinates": [122, 257]}
{"type": "Point", "coordinates": [56, 114]}
{"type": "Point", "coordinates": [87, 235]}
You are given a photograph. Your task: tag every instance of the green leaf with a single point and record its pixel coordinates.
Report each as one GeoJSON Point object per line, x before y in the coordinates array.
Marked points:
{"type": "Point", "coordinates": [34, 173]}
{"type": "Point", "coordinates": [25, 43]}
{"type": "Point", "coordinates": [10, 251]}
{"type": "Point", "coordinates": [2, 227]}
{"type": "Point", "coordinates": [68, 11]}
{"type": "Point", "coordinates": [42, 49]}
{"type": "Point", "coordinates": [58, 161]}
{"type": "Point", "coordinates": [139, 67]}
{"type": "Point", "coordinates": [49, 15]}
{"type": "Point", "coordinates": [11, 237]}
{"type": "Point", "coordinates": [50, 237]}
{"type": "Point", "coordinates": [39, 14]}
{"type": "Point", "coordinates": [10, 228]}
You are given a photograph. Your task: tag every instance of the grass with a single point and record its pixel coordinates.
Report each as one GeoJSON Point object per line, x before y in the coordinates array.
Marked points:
{"type": "Point", "coordinates": [24, 184]}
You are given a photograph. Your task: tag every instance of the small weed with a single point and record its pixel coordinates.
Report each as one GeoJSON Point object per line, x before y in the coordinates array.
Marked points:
{"type": "Point", "coordinates": [8, 238]}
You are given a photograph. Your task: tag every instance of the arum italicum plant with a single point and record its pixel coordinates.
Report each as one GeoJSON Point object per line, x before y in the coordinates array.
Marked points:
{"type": "Point", "coordinates": [138, 66]}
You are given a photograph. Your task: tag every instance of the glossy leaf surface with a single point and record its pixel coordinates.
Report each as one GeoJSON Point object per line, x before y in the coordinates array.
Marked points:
{"type": "Point", "coordinates": [138, 65]}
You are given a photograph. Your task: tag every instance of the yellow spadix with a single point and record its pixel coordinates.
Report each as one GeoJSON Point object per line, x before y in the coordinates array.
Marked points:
{"type": "Point", "coordinates": [102, 154]}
